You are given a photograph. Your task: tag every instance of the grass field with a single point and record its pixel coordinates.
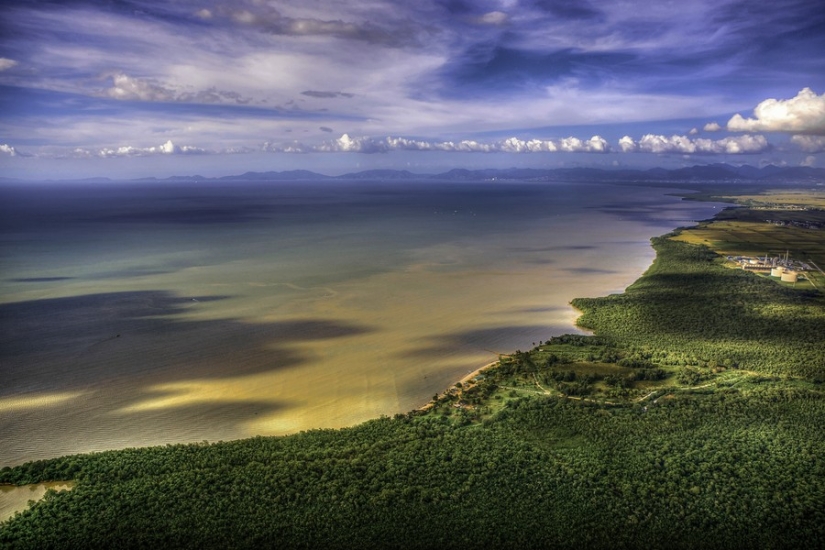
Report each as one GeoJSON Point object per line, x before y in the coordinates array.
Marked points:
{"type": "Point", "coordinates": [801, 197]}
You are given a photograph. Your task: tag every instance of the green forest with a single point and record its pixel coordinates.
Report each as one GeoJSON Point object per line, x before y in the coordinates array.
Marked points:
{"type": "Point", "coordinates": [692, 418]}
{"type": "Point", "coordinates": [689, 310]}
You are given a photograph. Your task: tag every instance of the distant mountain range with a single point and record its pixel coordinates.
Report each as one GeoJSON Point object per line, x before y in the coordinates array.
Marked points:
{"type": "Point", "coordinates": [707, 173]}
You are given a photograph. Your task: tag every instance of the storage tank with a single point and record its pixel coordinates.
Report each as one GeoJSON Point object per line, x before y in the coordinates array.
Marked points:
{"type": "Point", "coordinates": [789, 277]}
{"type": "Point", "coordinates": [777, 271]}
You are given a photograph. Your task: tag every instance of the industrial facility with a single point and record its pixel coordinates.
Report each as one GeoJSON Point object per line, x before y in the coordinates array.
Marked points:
{"type": "Point", "coordinates": [783, 268]}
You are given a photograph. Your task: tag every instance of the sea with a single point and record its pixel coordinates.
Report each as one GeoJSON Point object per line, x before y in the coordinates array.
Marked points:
{"type": "Point", "coordinates": [148, 313]}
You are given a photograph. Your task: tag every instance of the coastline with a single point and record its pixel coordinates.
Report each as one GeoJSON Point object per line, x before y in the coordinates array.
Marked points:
{"type": "Point", "coordinates": [717, 206]}
{"type": "Point", "coordinates": [543, 452]}
{"type": "Point", "coordinates": [465, 379]}
{"type": "Point", "coordinates": [465, 294]}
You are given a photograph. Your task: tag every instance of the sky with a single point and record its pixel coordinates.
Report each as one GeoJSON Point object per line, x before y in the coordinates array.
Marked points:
{"type": "Point", "coordinates": [127, 89]}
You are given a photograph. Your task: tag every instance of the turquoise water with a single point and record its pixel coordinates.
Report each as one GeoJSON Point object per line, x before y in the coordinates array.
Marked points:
{"type": "Point", "coordinates": [142, 314]}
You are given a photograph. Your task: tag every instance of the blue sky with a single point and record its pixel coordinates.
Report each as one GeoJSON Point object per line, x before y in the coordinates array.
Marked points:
{"type": "Point", "coordinates": [125, 88]}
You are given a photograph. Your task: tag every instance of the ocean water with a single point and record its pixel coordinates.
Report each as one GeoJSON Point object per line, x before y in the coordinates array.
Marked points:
{"type": "Point", "coordinates": [145, 313]}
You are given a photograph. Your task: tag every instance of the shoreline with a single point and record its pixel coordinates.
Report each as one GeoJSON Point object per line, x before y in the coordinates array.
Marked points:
{"type": "Point", "coordinates": [466, 378]}
{"type": "Point", "coordinates": [472, 374]}
{"type": "Point", "coordinates": [538, 322]}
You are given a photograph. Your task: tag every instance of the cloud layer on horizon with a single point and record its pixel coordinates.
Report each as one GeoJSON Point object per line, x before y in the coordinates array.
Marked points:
{"type": "Point", "coordinates": [649, 143]}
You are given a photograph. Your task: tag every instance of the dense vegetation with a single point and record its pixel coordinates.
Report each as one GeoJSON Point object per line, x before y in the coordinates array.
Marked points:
{"type": "Point", "coordinates": [689, 310]}
{"type": "Point", "coordinates": [719, 470]}
{"type": "Point", "coordinates": [693, 420]}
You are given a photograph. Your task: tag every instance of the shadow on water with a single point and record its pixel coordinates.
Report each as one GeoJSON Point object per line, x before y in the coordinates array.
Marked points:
{"type": "Point", "coordinates": [542, 309]}
{"type": "Point", "coordinates": [497, 340]}
{"type": "Point", "coordinates": [589, 270]}
{"type": "Point", "coordinates": [40, 279]}
{"type": "Point", "coordinates": [132, 365]}
{"type": "Point", "coordinates": [653, 214]}
{"type": "Point", "coordinates": [65, 344]}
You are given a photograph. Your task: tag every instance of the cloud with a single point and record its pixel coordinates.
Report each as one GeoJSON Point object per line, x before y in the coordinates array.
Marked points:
{"type": "Point", "coordinates": [809, 144]}
{"type": "Point", "coordinates": [810, 160]}
{"type": "Point", "coordinates": [627, 145]}
{"type": "Point", "coordinates": [325, 129]}
{"type": "Point", "coordinates": [127, 88]}
{"type": "Point", "coordinates": [313, 93]}
{"type": "Point", "coordinates": [8, 150]}
{"type": "Point", "coordinates": [596, 144]}
{"type": "Point", "coordinates": [436, 69]}
{"type": "Point", "coordinates": [167, 148]}
{"type": "Point", "coordinates": [804, 113]}
{"type": "Point", "coordinates": [741, 144]}
{"type": "Point", "coordinates": [348, 144]}
{"type": "Point", "coordinates": [712, 127]}
{"type": "Point", "coordinates": [6, 63]}
{"type": "Point", "coordinates": [265, 18]}
{"type": "Point", "coordinates": [495, 18]}
{"type": "Point", "coordinates": [652, 143]}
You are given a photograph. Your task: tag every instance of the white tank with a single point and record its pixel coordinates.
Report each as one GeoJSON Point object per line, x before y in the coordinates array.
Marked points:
{"type": "Point", "coordinates": [777, 271]}
{"type": "Point", "coordinates": [789, 277]}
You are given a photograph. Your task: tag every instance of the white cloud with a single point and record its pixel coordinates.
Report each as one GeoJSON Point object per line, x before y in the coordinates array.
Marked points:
{"type": "Point", "coordinates": [167, 148]}
{"type": "Point", "coordinates": [6, 63]}
{"type": "Point", "coordinates": [810, 160]}
{"type": "Point", "coordinates": [742, 144]}
{"type": "Point", "coordinates": [515, 145]}
{"type": "Point", "coordinates": [694, 131]}
{"type": "Point", "coordinates": [128, 88]}
{"type": "Point", "coordinates": [809, 144]}
{"type": "Point", "coordinates": [348, 144]}
{"type": "Point", "coordinates": [627, 145]}
{"type": "Point", "coordinates": [804, 113]}
{"type": "Point", "coordinates": [651, 143]}
{"type": "Point", "coordinates": [8, 150]}
{"type": "Point", "coordinates": [712, 127]}
{"type": "Point", "coordinates": [596, 144]}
